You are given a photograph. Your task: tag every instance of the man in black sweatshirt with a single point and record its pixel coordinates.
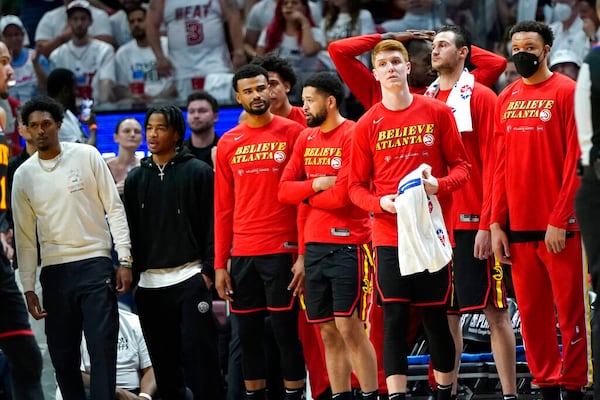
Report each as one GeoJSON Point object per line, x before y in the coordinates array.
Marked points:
{"type": "Point", "coordinates": [169, 205]}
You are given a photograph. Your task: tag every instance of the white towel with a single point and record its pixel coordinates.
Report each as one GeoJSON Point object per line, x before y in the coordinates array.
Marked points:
{"type": "Point", "coordinates": [423, 243]}
{"type": "Point", "coordinates": [459, 99]}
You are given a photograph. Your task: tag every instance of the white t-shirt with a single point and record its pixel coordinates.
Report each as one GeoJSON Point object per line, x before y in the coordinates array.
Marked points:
{"type": "Point", "coordinates": [26, 80]}
{"type": "Point", "coordinates": [130, 57]}
{"type": "Point", "coordinates": [70, 130]}
{"type": "Point", "coordinates": [132, 353]}
{"type": "Point", "coordinates": [574, 39]}
{"type": "Point", "coordinates": [54, 21]}
{"type": "Point", "coordinates": [91, 64]}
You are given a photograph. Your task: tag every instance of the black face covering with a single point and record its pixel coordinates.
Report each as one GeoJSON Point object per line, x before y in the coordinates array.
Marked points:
{"type": "Point", "coordinates": [526, 63]}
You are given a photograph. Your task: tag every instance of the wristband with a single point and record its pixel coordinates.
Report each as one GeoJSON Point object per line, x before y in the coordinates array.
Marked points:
{"type": "Point", "coordinates": [145, 396]}
{"type": "Point", "coordinates": [125, 262]}
{"type": "Point", "coordinates": [93, 126]}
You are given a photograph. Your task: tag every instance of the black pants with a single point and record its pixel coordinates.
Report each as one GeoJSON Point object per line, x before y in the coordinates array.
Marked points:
{"type": "Point", "coordinates": [17, 340]}
{"type": "Point", "coordinates": [587, 208]}
{"type": "Point", "coordinates": [81, 295]}
{"type": "Point", "coordinates": [181, 334]}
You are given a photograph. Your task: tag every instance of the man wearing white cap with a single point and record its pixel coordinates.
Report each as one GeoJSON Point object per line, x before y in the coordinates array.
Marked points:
{"type": "Point", "coordinates": [92, 60]}
{"type": "Point", "coordinates": [566, 62]}
{"type": "Point", "coordinates": [53, 30]}
{"type": "Point", "coordinates": [30, 67]}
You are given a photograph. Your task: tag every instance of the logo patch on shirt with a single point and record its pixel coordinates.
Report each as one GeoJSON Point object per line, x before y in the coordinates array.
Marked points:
{"type": "Point", "coordinates": [75, 181]}
{"type": "Point", "coordinates": [545, 115]}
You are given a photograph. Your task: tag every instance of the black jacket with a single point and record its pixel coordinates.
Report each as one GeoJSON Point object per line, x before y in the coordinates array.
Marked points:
{"type": "Point", "coordinates": [171, 220]}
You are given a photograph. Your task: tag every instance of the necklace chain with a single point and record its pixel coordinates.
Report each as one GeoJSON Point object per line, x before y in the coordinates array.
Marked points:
{"type": "Point", "coordinates": [52, 168]}
{"type": "Point", "coordinates": [161, 168]}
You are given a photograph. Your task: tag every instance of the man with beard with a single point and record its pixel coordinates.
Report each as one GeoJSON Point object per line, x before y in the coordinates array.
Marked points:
{"type": "Point", "coordinates": [16, 337]}
{"type": "Point", "coordinates": [259, 234]}
{"type": "Point", "coordinates": [65, 199]}
{"type": "Point", "coordinates": [202, 114]}
{"type": "Point", "coordinates": [337, 235]}
{"type": "Point", "coordinates": [135, 64]}
{"type": "Point", "coordinates": [533, 223]}
{"type": "Point", "coordinates": [91, 59]}
{"type": "Point", "coordinates": [62, 87]}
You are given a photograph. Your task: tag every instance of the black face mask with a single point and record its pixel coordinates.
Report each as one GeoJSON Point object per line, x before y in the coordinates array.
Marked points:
{"type": "Point", "coordinates": [526, 63]}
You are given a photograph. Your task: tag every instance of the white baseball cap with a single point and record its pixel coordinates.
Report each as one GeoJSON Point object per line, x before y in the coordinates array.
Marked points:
{"type": "Point", "coordinates": [564, 56]}
{"type": "Point", "coordinates": [7, 20]}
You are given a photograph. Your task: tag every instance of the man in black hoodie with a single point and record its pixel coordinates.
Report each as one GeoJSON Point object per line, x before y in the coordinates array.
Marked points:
{"type": "Point", "coordinates": [169, 205]}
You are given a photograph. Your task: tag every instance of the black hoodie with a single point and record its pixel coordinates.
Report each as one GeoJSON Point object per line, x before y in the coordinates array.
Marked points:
{"type": "Point", "coordinates": [171, 219]}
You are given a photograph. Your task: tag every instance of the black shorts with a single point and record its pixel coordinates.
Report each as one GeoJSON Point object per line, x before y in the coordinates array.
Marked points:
{"type": "Point", "coordinates": [337, 280]}
{"type": "Point", "coordinates": [422, 289]}
{"type": "Point", "coordinates": [478, 283]}
{"type": "Point", "coordinates": [260, 282]}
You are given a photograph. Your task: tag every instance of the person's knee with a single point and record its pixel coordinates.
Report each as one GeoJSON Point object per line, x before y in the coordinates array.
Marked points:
{"type": "Point", "coordinates": [330, 335]}
{"type": "Point", "coordinates": [497, 318]}
{"type": "Point", "coordinates": [351, 329]}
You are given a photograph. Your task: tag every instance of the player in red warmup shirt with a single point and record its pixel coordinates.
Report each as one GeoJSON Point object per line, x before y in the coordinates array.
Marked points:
{"type": "Point", "coordinates": [533, 222]}
{"type": "Point", "coordinates": [391, 140]}
{"type": "Point", "coordinates": [336, 234]}
{"type": "Point", "coordinates": [259, 234]}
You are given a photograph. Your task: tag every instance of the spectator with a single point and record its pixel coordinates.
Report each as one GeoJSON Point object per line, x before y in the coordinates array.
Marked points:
{"type": "Point", "coordinates": [197, 43]}
{"type": "Point", "coordinates": [568, 29]}
{"type": "Point", "coordinates": [92, 60]}
{"type": "Point", "coordinates": [75, 224]}
{"type": "Point", "coordinates": [121, 31]}
{"type": "Point", "coordinates": [53, 29]}
{"type": "Point", "coordinates": [591, 22]}
{"type": "Point", "coordinates": [202, 114]}
{"type": "Point", "coordinates": [136, 57]}
{"type": "Point", "coordinates": [30, 67]}
{"type": "Point", "coordinates": [293, 35]}
{"type": "Point", "coordinates": [128, 134]}
{"type": "Point", "coordinates": [418, 14]}
{"type": "Point", "coordinates": [174, 191]}
{"type": "Point", "coordinates": [62, 87]}
{"type": "Point", "coordinates": [260, 16]}
{"type": "Point", "coordinates": [509, 76]}
{"type": "Point", "coordinates": [566, 62]}
{"type": "Point", "coordinates": [135, 375]}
